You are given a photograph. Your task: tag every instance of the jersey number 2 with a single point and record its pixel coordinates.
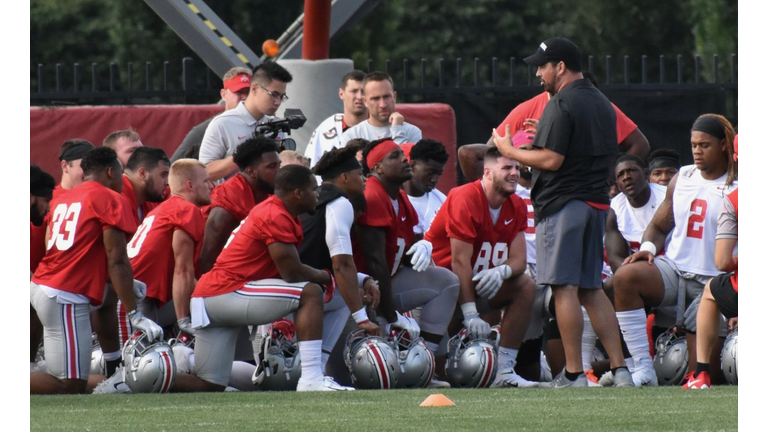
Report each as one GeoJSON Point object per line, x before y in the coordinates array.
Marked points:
{"type": "Point", "coordinates": [696, 219]}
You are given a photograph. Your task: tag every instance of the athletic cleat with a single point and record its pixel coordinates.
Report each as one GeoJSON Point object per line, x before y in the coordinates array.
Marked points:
{"type": "Point", "coordinates": [114, 384]}
{"type": "Point", "coordinates": [591, 378]}
{"type": "Point", "coordinates": [325, 384]}
{"type": "Point", "coordinates": [510, 379]}
{"type": "Point", "coordinates": [698, 382]}
{"type": "Point", "coordinates": [606, 380]}
{"type": "Point", "coordinates": [436, 383]}
{"type": "Point", "coordinates": [645, 374]}
{"type": "Point", "coordinates": [561, 381]}
{"type": "Point", "coordinates": [623, 378]}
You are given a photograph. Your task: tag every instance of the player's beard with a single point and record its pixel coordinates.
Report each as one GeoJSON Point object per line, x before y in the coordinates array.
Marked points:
{"type": "Point", "coordinates": [264, 186]}
{"type": "Point", "coordinates": [151, 193]}
{"type": "Point", "coordinates": [34, 215]}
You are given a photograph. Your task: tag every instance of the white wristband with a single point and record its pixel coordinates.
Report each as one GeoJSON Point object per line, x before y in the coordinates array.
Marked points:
{"type": "Point", "coordinates": [360, 316]}
{"type": "Point", "coordinates": [469, 308]}
{"type": "Point", "coordinates": [649, 247]}
{"type": "Point", "coordinates": [361, 279]}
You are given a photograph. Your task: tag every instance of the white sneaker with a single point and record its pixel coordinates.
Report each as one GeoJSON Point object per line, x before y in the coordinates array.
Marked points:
{"type": "Point", "coordinates": [509, 378]}
{"type": "Point", "coordinates": [38, 367]}
{"type": "Point", "coordinates": [436, 383]}
{"type": "Point", "coordinates": [325, 384]}
{"type": "Point", "coordinates": [114, 384]}
{"type": "Point", "coordinates": [645, 374]}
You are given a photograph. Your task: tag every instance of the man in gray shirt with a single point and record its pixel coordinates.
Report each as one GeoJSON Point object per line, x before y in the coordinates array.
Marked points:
{"type": "Point", "coordinates": [230, 128]}
{"type": "Point", "coordinates": [383, 120]}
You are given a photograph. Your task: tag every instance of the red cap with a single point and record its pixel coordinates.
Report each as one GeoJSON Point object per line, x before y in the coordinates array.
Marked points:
{"type": "Point", "coordinates": [238, 82]}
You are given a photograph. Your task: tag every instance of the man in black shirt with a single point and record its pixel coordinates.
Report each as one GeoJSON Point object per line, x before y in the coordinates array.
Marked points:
{"type": "Point", "coordinates": [573, 154]}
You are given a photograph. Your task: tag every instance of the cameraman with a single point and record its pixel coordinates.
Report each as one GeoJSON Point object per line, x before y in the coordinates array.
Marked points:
{"type": "Point", "coordinates": [230, 128]}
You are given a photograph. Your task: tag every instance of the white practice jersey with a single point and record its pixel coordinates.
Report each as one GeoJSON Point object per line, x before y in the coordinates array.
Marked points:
{"type": "Point", "coordinates": [530, 232]}
{"type": "Point", "coordinates": [426, 207]}
{"type": "Point", "coordinates": [696, 204]}
{"type": "Point", "coordinates": [632, 221]}
{"type": "Point", "coordinates": [325, 138]}
{"type": "Point", "coordinates": [402, 134]}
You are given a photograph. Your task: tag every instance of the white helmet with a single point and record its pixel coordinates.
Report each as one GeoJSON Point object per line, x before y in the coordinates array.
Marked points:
{"type": "Point", "coordinates": [279, 367]}
{"type": "Point", "coordinates": [671, 361]}
{"type": "Point", "coordinates": [471, 362]}
{"type": "Point", "coordinates": [416, 361]}
{"type": "Point", "coordinates": [729, 357]}
{"type": "Point", "coordinates": [149, 366]}
{"type": "Point", "coordinates": [372, 362]}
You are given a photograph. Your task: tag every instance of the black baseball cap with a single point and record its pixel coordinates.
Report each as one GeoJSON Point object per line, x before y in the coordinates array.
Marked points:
{"type": "Point", "coordinates": [557, 49]}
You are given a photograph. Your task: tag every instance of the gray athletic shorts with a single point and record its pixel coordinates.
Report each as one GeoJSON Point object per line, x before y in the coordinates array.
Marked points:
{"type": "Point", "coordinates": [66, 336]}
{"type": "Point", "coordinates": [569, 246]}
{"type": "Point", "coordinates": [436, 289]}
{"type": "Point", "coordinates": [258, 302]}
{"type": "Point", "coordinates": [690, 318]}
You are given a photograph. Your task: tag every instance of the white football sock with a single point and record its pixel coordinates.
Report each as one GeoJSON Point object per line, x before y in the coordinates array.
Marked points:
{"type": "Point", "coordinates": [311, 359]}
{"type": "Point", "coordinates": [507, 358]}
{"type": "Point", "coordinates": [588, 341]}
{"type": "Point", "coordinates": [632, 324]}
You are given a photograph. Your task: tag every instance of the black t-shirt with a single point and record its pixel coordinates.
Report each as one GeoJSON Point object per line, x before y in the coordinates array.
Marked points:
{"type": "Point", "coordinates": [580, 124]}
{"type": "Point", "coordinates": [313, 251]}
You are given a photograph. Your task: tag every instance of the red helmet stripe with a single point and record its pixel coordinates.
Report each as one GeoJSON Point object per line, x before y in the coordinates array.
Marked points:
{"type": "Point", "coordinates": [381, 369]}
{"type": "Point", "coordinates": [489, 366]}
{"type": "Point", "coordinates": [169, 365]}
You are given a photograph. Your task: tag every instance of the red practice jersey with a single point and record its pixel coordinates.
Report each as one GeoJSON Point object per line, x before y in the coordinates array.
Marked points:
{"type": "Point", "coordinates": [380, 213]}
{"type": "Point", "coordinates": [234, 195]}
{"type": "Point", "coordinates": [151, 248]}
{"type": "Point", "coordinates": [465, 215]}
{"type": "Point", "coordinates": [76, 260]}
{"type": "Point", "coordinates": [534, 108]}
{"type": "Point", "coordinates": [37, 234]}
{"type": "Point", "coordinates": [246, 257]}
{"type": "Point", "coordinates": [138, 212]}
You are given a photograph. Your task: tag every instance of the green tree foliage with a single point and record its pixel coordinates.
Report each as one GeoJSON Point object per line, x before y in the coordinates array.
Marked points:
{"type": "Point", "coordinates": [122, 31]}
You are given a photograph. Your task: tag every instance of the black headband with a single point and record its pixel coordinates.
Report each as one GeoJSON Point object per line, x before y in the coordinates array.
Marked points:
{"type": "Point", "coordinates": [664, 162]}
{"type": "Point", "coordinates": [710, 125]}
{"type": "Point", "coordinates": [347, 165]}
{"type": "Point", "coordinates": [41, 191]}
{"type": "Point", "coordinates": [75, 152]}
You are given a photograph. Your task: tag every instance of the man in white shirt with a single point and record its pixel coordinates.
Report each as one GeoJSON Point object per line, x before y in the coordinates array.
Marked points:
{"type": "Point", "coordinates": [427, 158]}
{"type": "Point", "coordinates": [230, 128]}
{"type": "Point", "coordinates": [328, 134]}
{"type": "Point", "coordinates": [383, 120]}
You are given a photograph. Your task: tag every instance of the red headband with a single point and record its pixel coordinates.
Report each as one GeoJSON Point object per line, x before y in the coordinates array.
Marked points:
{"type": "Point", "coordinates": [238, 82]}
{"type": "Point", "coordinates": [379, 152]}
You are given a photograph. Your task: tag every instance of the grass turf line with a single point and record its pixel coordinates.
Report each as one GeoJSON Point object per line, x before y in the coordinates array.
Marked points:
{"type": "Point", "coordinates": [657, 409]}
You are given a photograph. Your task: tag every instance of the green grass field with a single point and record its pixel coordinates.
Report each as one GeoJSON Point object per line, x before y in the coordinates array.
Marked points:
{"type": "Point", "coordinates": [599, 409]}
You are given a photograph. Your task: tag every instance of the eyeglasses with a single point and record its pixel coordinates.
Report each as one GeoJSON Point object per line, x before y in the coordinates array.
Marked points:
{"type": "Point", "coordinates": [274, 95]}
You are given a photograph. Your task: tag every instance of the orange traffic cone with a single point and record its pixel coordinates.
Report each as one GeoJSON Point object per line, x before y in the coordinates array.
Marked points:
{"type": "Point", "coordinates": [437, 400]}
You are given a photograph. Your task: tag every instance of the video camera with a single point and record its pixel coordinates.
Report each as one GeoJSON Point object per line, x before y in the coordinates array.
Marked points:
{"type": "Point", "coordinates": [294, 119]}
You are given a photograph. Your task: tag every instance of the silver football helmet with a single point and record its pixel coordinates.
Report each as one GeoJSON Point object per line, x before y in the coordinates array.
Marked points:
{"type": "Point", "coordinates": [671, 360]}
{"type": "Point", "coordinates": [471, 362]}
{"type": "Point", "coordinates": [279, 367]}
{"type": "Point", "coordinates": [729, 357]}
{"type": "Point", "coordinates": [372, 362]}
{"type": "Point", "coordinates": [149, 366]}
{"type": "Point", "coordinates": [416, 361]}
